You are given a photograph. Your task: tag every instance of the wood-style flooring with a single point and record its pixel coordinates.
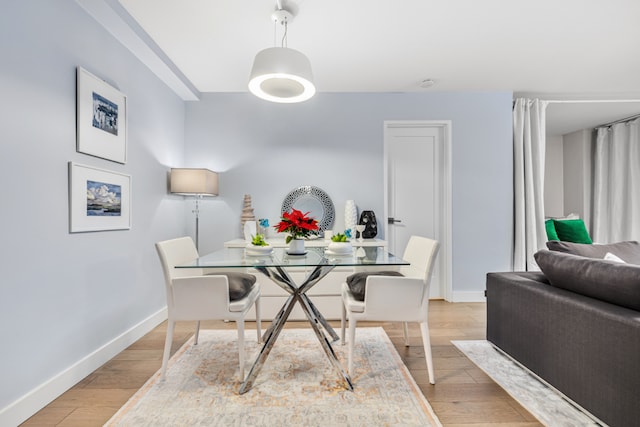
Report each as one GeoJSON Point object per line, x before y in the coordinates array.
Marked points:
{"type": "Point", "coordinates": [462, 396]}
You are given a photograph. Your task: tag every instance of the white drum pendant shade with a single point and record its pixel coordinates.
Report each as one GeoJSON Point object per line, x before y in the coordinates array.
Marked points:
{"type": "Point", "coordinates": [281, 74]}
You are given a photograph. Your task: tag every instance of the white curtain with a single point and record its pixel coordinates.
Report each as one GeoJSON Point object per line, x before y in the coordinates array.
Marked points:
{"type": "Point", "coordinates": [616, 183]}
{"type": "Point", "coordinates": [528, 167]}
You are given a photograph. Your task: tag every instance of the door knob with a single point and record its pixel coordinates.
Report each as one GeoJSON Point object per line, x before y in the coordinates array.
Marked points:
{"type": "Point", "coordinates": [393, 220]}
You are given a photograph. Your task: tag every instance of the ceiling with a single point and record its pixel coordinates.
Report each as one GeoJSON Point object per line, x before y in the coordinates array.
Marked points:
{"type": "Point", "coordinates": [552, 49]}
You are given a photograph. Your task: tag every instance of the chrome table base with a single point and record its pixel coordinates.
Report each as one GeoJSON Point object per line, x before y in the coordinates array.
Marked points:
{"type": "Point", "coordinates": [318, 323]}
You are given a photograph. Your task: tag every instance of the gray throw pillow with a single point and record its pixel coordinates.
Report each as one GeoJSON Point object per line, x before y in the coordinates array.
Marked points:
{"type": "Point", "coordinates": [357, 281]}
{"type": "Point", "coordinates": [240, 284]}
{"type": "Point", "coordinates": [608, 281]}
{"type": "Point", "coordinates": [627, 251]}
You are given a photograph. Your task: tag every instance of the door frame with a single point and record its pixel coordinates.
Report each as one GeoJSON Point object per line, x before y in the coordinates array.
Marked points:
{"type": "Point", "coordinates": [445, 253]}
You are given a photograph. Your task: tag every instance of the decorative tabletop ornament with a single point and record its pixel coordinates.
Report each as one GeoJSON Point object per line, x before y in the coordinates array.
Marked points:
{"type": "Point", "coordinates": [299, 226]}
{"type": "Point", "coordinates": [350, 215]}
{"type": "Point", "coordinates": [258, 246]}
{"type": "Point", "coordinates": [263, 226]}
{"type": "Point", "coordinates": [247, 212]}
{"type": "Point", "coordinates": [368, 219]}
{"type": "Point", "coordinates": [340, 244]}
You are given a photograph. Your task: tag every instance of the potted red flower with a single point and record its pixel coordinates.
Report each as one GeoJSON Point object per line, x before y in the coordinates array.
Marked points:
{"type": "Point", "coordinates": [299, 226]}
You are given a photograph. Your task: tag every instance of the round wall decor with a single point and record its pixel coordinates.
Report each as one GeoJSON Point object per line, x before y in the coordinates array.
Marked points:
{"type": "Point", "coordinates": [313, 200]}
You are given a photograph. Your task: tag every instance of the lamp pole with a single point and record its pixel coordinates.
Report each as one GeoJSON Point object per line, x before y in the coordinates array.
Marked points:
{"type": "Point", "coordinates": [197, 212]}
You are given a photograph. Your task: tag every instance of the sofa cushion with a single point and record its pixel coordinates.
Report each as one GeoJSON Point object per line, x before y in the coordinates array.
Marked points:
{"type": "Point", "coordinates": [611, 257]}
{"type": "Point", "coordinates": [608, 281]}
{"type": "Point", "coordinates": [357, 281]}
{"type": "Point", "coordinates": [627, 251]}
{"type": "Point", "coordinates": [550, 228]}
{"type": "Point", "coordinates": [572, 230]}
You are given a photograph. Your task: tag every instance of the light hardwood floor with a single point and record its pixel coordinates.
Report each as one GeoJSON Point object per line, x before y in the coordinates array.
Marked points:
{"type": "Point", "coordinates": [462, 396]}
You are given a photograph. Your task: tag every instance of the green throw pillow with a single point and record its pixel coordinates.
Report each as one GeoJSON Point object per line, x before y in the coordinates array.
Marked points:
{"type": "Point", "coordinates": [572, 230]}
{"type": "Point", "coordinates": [551, 230]}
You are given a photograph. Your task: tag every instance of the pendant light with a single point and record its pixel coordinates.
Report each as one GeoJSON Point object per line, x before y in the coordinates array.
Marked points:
{"type": "Point", "coordinates": [281, 74]}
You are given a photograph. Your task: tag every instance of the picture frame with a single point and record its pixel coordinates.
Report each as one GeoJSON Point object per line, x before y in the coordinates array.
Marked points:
{"type": "Point", "coordinates": [99, 200]}
{"type": "Point", "coordinates": [101, 118]}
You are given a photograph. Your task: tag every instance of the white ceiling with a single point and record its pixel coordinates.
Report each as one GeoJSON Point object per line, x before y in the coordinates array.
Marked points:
{"type": "Point", "coordinates": [552, 49]}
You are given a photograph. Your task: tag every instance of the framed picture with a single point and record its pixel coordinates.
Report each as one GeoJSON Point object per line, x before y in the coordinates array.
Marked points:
{"type": "Point", "coordinates": [99, 199]}
{"type": "Point", "coordinates": [101, 118]}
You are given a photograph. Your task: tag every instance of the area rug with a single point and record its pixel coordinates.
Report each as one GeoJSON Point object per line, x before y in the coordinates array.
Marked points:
{"type": "Point", "coordinates": [296, 387]}
{"type": "Point", "coordinates": [545, 403]}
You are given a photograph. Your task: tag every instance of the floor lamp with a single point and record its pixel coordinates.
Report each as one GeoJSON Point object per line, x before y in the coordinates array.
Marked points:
{"type": "Point", "coordinates": [194, 182]}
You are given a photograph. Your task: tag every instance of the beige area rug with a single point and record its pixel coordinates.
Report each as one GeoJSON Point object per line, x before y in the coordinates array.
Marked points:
{"type": "Point", "coordinates": [296, 387]}
{"type": "Point", "coordinates": [544, 402]}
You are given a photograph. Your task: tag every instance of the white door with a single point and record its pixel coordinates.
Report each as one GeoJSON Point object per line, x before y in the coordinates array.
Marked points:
{"type": "Point", "coordinates": [417, 191]}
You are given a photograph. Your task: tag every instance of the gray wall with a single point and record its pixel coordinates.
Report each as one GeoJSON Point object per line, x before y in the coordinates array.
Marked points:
{"type": "Point", "coordinates": [335, 142]}
{"type": "Point", "coordinates": [66, 295]}
{"type": "Point", "coordinates": [553, 177]}
{"type": "Point", "coordinates": [577, 174]}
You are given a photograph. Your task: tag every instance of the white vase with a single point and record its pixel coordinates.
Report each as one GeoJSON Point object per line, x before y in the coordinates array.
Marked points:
{"type": "Point", "coordinates": [296, 247]}
{"type": "Point", "coordinates": [350, 216]}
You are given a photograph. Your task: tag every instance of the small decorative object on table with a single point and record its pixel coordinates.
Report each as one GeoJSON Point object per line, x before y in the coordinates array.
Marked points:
{"type": "Point", "coordinates": [360, 228]}
{"type": "Point", "coordinates": [263, 226]}
{"type": "Point", "coordinates": [340, 244]}
{"type": "Point", "coordinates": [247, 212]}
{"type": "Point", "coordinates": [299, 226]}
{"type": "Point", "coordinates": [368, 218]}
{"type": "Point", "coordinates": [350, 215]}
{"type": "Point", "coordinates": [250, 229]}
{"type": "Point", "coordinates": [258, 246]}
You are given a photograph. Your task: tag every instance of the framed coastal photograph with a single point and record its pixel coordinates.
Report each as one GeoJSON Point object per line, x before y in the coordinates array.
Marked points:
{"type": "Point", "coordinates": [99, 200]}
{"type": "Point", "coordinates": [101, 118]}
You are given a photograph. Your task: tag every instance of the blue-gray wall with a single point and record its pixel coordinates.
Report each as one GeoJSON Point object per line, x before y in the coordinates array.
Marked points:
{"type": "Point", "coordinates": [64, 296]}
{"type": "Point", "coordinates": [335, 142]}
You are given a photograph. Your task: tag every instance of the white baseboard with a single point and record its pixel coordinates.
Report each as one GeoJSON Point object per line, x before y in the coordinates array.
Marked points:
{"type": "Point", "coordinates": [469, 296]}
{"type": "Point", "coordinates": [23, 408]}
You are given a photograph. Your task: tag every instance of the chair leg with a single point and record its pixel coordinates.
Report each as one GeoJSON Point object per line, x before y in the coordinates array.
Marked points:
{"type": "Point", "coordinates": [426, 341]}
{"type": "Point", "coordinates": [195, 341]}
{"type": "Point", "coordinates": [240, 325]}
{"type": "Point", "coordinates": [167, 347]}
{"type": "Point", "coordinates": [258, 320]}
{"type": "Point", "coordinates": [405, 331]}
{"type": "Point", "coordinates": [352, 339]}
{"type": "Point", "coordinates": [342, 322]}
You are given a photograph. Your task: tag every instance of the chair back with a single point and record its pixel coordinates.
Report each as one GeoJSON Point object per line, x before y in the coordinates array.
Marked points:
{"type": "Point", "coordinates": [175, 252]}
{"type": "Point", "coordinates": [421, 252]}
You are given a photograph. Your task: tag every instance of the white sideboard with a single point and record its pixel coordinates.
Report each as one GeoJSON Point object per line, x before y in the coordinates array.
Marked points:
{"type": "Point", "coordinates": [325, 294]}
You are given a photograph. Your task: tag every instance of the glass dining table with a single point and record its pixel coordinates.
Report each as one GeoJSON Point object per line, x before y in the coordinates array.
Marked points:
{"type": "Point", "coordinates": [277, 265]}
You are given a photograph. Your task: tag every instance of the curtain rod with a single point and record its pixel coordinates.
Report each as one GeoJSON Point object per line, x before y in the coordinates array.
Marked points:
{"type": "Point", "coordinates": [588, 101]}
{"type": "Point", "coordinates": [627, 119]}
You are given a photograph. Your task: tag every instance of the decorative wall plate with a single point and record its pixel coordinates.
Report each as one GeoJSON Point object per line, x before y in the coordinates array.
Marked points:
{"type": "Point", "coordinates": [313, 200]}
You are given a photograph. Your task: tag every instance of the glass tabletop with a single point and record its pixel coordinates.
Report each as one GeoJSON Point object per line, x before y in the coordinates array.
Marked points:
{"type": "Point", "coordinates": [238, 257]}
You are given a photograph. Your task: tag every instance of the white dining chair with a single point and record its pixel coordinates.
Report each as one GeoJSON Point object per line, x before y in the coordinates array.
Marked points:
{"type": "Point", "coordinates": [392, 297]}
{"type": "Point", "coordinates": [193, 295]}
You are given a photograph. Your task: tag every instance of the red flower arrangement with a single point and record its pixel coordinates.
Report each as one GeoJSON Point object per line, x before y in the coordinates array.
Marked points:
{"type": "Point", "coordinates": [299, 225]}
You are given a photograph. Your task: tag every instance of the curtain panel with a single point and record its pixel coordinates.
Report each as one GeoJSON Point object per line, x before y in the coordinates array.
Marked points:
{"type": "Point", "coordinates": [616, 183]}
{"type": "Point", "coordinates": [529, 128]}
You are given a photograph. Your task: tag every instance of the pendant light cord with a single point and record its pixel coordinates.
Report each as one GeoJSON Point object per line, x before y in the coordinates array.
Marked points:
{"type": "Point", "coordinates": [285, 40]}
{"type": "Point", "coordinates": [284, 36]}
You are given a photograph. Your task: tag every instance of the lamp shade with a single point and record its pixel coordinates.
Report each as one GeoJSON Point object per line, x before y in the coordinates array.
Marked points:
{"type": "Point", "coordinates": [281, 74]}
{"type": "Point", "coordinates": [194, 181]}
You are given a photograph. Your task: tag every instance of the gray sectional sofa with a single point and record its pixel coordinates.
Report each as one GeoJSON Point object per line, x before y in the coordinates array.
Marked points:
{"type": "Point", "coordinates": [576, 325]}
